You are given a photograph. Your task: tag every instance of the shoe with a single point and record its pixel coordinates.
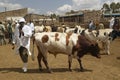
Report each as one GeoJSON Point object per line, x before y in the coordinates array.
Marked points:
{"type": "Point", "coordinates": [24, 69]}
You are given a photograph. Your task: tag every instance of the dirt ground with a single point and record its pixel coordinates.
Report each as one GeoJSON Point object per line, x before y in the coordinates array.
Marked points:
{"type": "Point", "coordinates": [106, 68]}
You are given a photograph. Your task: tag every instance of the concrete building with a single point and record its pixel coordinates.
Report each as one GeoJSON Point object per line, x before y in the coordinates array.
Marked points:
{"type": "Point", "coordinates": [73, 17]}
{"type": "Point", "coordinates": [81, 17]}
{"type": "Point", "coordinates": [39, 19]}
{"type": "Point", "coordinates": [13, 14]}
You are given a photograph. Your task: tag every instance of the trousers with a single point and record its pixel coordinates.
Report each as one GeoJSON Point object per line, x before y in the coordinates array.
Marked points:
{"type": "Point", "coordinates": [23, 54]}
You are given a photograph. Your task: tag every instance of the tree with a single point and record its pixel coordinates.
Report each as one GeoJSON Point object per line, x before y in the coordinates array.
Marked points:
{"type": "Point", "coordinates": [71, 12]}
{"type": "Point", "coordinates": [113, 7]}
{"type": "Point", "coordinates": [106, 7]}
{"type": "Point", "coordinates": [53, 16]}
{"type": "Point", "coordinates": [118, 7]}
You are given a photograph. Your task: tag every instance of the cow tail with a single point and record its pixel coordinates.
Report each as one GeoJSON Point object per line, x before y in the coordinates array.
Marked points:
{"type": "Point", "coordinates": [33, 41]}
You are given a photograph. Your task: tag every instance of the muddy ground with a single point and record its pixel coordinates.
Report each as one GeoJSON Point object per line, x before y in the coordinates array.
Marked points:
{"type": "Point", "coordinates": [106, 68]}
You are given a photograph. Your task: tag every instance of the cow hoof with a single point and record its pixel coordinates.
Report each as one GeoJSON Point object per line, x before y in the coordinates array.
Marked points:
{"type": "Point", "coordinates": [40, 69]}
{"type": "Point", "coordinates": [108, 54]}
{"type": "Point", "coordinates": [81, 70]}
{"type": "Point", "coordinates": [50, 71]}
{"type": "Point", "coordinates": [70, 70]}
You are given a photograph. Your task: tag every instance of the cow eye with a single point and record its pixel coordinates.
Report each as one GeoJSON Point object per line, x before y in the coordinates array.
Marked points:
{"type": "Point", "coordinates": [92, 45]}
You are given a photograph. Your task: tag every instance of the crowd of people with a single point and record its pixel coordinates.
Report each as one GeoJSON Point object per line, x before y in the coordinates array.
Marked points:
{"type": "Point", "coordinates": [7, 30]}
{"type": "Point", "coordinates": [19, 35]}
{"type": "Point", "coordinates": [113, 24]}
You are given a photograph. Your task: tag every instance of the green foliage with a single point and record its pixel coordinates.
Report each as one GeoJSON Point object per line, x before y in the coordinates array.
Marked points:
{"type": "Point", "coordinates": [53, 16]}
{"type": "Point", "coordinates": [113, 7]}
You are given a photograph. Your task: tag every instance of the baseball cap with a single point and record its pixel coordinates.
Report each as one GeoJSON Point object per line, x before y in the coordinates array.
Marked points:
{"type": "Point", "coordinates": [22, 20]}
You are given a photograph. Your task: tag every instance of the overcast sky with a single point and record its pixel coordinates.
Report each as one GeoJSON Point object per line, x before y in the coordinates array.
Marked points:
{"type": "Point", "coordinates": [53, 6]}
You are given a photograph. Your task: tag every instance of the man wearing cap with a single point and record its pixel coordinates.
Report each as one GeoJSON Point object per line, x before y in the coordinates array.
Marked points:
{"type": "Point", "coordinates": [22, 41]}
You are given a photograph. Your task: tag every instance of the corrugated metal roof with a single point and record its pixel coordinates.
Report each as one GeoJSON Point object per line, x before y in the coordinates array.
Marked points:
{"type": "Point", "coordinates": [112, 15]}
{"type": "Point", "coordinates": [74, 14]}
{"type": "Point", "coordinates": [14, 18]}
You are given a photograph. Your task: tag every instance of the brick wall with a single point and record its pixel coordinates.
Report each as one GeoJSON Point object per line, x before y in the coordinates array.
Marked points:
{"type": "Point", "coordinates": [92, 15]}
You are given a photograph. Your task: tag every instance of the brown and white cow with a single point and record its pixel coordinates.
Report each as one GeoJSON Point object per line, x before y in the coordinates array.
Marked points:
{"type": "Point", "coordinates": [102, 36]}
{"type": "Point", "coordinates": [70, 44]}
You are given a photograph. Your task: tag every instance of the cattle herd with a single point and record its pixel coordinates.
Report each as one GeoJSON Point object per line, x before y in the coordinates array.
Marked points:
{"type": "Point", "coordinates": [73, 42]}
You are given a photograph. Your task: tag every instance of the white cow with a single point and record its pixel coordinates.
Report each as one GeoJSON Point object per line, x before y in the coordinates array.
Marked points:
{"type": "Point", "coordinates": [77, 29]}
{"type": "Point", "coordinates": [64, 43]}
{"type": "Point", "coordinates": [42, 28]}
{"type": "Point", "coordinates": [60, 29]}
{"type": "Point", "coordinates": [39, 29]}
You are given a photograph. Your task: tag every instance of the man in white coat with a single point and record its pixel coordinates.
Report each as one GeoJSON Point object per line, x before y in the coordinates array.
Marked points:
{"type": "Point", "coordinates": [22, 41]}
{"type": "Point", "coordinates": [111, 23]}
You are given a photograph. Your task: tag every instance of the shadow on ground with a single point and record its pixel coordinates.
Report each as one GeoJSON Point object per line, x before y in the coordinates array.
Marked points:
{"type": "Point", "coordinates": [7, 70]}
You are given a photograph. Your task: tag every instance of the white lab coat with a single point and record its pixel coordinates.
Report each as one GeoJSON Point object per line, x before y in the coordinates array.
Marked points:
{"type": "Point", "coordinates": [23, 40]}
{"type": "Point", "coordinates": [112, 23]}
{"type": "Point", "coordinates": [31, 26]}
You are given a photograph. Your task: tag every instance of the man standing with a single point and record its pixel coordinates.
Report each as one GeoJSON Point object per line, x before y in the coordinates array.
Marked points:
{"type": "Point", "coordinates": [91, 26]}
{"type": "Point", "coordinates": [2, 33]}
{"type": "Point", "coordinates": [15, 25]}
{"type": "Point", "coordinates": [10, 31]}
{"type": "Point", "coordinates": [22, 41]}
{"type": "Point", "coordinates": [112, 22]}
{"type": "Point", "coordinates": [31, 26]}
{"type": "Point", "coordinates": [116, 27]}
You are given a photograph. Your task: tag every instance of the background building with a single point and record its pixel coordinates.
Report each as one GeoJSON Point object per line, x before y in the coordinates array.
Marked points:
{"type": "Point", "coordinates": [70, 18]}
{"type": "Point", "coordinates": [39, 19]}
{"type": "Point", "coordinates": [13, 14]}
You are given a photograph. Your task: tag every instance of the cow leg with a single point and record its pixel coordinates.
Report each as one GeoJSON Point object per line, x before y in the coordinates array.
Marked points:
{"type": "Point", "coordinates": [81, 67]}
{"type": "Point", "coordinates": [4, 40]}
{"type": "Point", "coordinates": [43, 55]}
{"type": "Point", "coordinates": [70, 62]}
{"type": "Point", "coordinates": [39, 57]}
{"type": "Point", "coordinates": [107, 47]}
{"type": "Point", "coordinates": [46, 64]}
{"type": "Point", "coordinates": [0, 40]}
{"type": "Point", "coordinates": [104, 48]}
